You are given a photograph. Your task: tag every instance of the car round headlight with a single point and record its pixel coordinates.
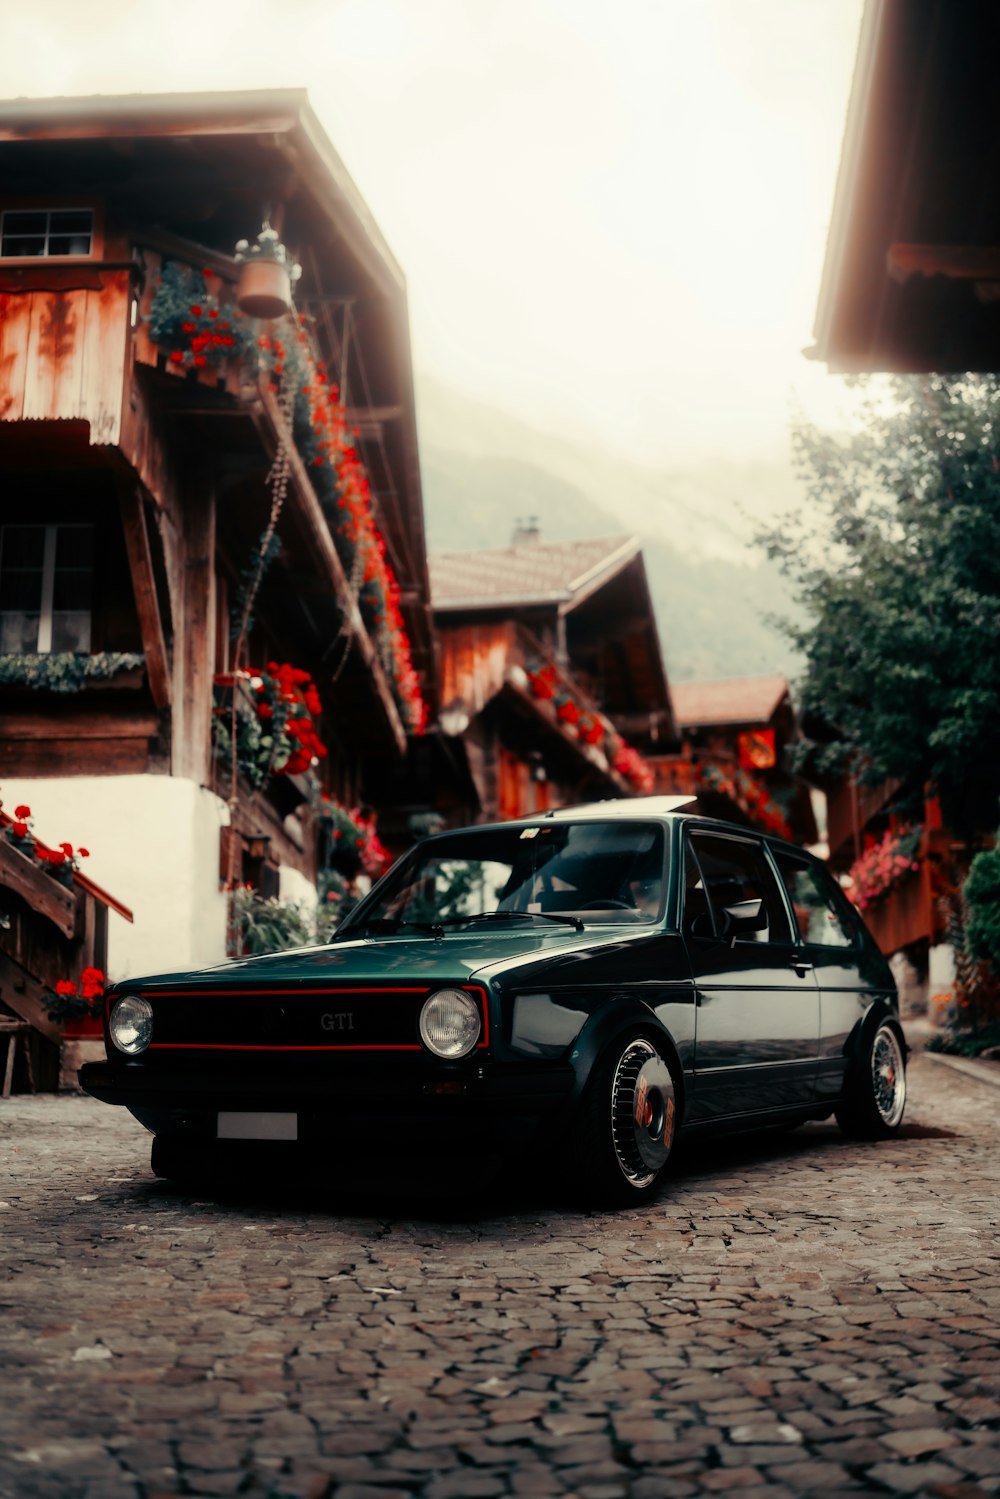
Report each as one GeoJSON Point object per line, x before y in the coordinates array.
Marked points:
{"type": "Point", "coordinates": [449, 1023]}
{"type": "Point", "coordinates": [131, 1023]}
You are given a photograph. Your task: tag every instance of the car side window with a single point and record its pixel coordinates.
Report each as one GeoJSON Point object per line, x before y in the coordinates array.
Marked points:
{"type": "Point", "coordinates": [734, 871]}
{"type": "Point", "coordinates": [816, 902]}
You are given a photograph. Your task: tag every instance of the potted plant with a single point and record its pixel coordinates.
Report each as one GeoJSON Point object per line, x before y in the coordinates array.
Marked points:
{"type": "Point", "coordinates": [266, 276]}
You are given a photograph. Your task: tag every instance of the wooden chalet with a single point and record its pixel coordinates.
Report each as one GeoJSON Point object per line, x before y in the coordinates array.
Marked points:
{"type": "Point", "coordinates": [736, 736]}
{"type": "Point", "coordinates": [911, 280]}
{"type": "Point", "coordinates": [552, 686]}
{"type": "Point", "coordinates": [149, 430]}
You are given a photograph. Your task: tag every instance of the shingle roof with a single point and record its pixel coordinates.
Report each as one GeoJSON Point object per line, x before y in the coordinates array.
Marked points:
{"type": "Point", "coordinates": [552, 572]}
{"type": "Point", "coordinates": [738, 700]}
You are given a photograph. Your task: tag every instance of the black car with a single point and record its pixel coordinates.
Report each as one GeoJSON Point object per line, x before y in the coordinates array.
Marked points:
{"type": "Point", "coordinates": [588, 985]}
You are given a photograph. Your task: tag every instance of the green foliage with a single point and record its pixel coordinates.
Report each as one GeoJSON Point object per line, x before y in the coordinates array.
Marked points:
{"type": "Point", "coordinates": [982, 897]}
{"type": "Point", "coordinates": [966, 1044]}
{"type": "Point", "coordinates": [65, 671]}
{"type": "Point", "coordinates": [266, 924]}
{"type": "Point", "coordinates": [896, 562]}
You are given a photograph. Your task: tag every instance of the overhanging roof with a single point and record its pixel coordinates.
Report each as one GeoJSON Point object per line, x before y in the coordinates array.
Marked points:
{"type": "Point", "coordinates": [911, 280]}
{"type": "Point", "coordinates": [740, 700]}
{"type": "Point", "coordinates": [558, 573]}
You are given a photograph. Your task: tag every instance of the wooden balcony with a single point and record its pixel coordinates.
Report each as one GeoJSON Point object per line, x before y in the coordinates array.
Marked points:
{"type": "Point", "coordinates": [905, 914]}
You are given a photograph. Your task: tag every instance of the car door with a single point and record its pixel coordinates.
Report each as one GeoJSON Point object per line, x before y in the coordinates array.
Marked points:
{"type": "Point", "coordinates": [831, 941]}
{"type": "Point", "coordinates": [757, 1020]}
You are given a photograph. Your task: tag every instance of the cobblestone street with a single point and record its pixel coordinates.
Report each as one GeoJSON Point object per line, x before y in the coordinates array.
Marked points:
{"type": "Point", "coordinates": [796, 1314]}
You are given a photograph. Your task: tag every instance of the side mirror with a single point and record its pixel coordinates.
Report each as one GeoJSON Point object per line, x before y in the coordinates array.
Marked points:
{"type": "Point", "coordinates": [702, 928]}
{"type": "Point", "coordinates": [743, 917]}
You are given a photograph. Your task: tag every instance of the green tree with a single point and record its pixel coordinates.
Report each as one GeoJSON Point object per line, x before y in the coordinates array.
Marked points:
{"type": "Point", "coordinates": [896, 563]}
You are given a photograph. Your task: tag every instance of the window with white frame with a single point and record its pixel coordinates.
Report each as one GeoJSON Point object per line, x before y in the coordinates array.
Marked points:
{"type": "Point", "coordinates": [45, 233]}
{"type": "Point", "coordinates": [46, 586]}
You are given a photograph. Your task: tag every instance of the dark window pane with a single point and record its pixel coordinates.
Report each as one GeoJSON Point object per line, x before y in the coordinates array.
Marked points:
{"type": "Point", "coordinates": [72, 221]}
{"type": "Point", "coordinates": [816, 902]}
{"type": "Point", "coordinates": [71, 590]}
{"type": "Point", "coordinates": [74, 546]}
{"type": "Point", "coordinates": [734, 872]}
{"type": "Point", "coordinates": [21, 590]}
{"type": "Point", "coordinates": [18, 633]}
{"type": "Point", "coordinates": [22, 546]}
{"type": "Point", "coordinates": [71, 631]}
{"type": "Point", "coordinates": [25, 221]}
{"type": "Point", "coordinates": [19, 245]}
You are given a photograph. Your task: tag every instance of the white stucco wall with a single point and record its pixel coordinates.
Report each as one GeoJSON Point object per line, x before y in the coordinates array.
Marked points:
{"type": "Point", "coordinates": [293, 886]}
{"type": "Point", "coordinates": [154, 845]}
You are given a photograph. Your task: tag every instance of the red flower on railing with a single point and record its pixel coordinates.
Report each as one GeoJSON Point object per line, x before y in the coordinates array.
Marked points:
{"type": "Point", "coordinates": [885, 864]}
{"type": "Point", "coordinates": [62, 861]}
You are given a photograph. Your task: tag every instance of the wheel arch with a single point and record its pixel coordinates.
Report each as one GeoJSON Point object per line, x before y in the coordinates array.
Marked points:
{"type": "Point", "coordinates": [612, 1023]}
{"type": "Point", "coordinates": [879, 1012]}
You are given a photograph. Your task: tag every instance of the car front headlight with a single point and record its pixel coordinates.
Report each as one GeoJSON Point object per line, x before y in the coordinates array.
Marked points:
{"type": "Point", "coordinates": [449, 1023]}
{"type": "Point", "coordinates": [131, 1023]}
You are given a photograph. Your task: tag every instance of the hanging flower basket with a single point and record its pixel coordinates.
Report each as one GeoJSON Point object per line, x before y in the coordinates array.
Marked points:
{"type": "Point", "coordinates": [264, 289]}
{"type": "Point", "coordinates": [266, 275]}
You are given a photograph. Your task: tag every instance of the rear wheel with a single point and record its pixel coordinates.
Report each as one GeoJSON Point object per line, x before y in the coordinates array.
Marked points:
{"type": "Point", "coordinates": [875, 1095]}
{"type": "Point", "coordinates": [629, 1120]}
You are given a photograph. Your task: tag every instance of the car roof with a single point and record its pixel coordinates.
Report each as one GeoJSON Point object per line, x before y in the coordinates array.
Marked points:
{"type": "Point", "coordinates": [626, 806]}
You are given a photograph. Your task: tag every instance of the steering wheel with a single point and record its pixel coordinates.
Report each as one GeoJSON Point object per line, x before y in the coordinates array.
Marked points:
{"type": "Point", "coordinates": [607, 905]}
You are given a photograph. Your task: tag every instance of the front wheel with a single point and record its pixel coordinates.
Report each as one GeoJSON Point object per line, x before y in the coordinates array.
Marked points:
{"type": "Point", "coordinates": [628, 1122]}
{"type": "Point", "coordinates": [875, 1093]}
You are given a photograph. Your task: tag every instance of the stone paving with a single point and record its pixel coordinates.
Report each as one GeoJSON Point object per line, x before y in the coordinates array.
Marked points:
{"type": "Point", "coordinates": [795, 1315]}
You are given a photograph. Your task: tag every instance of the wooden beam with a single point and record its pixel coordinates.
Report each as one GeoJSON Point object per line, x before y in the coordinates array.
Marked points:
{"type": "Point", "coordinates": [41, 890]}
{"type": "Point", "coordinates": [80, 723]}
{"type": "Point", "coordinates": [956, 262]}
{"type": "Point", "coordinates": [309, 513]}
{"type": "Point", "coordinates": [194, 646]}
{"type": "Point", "coordinates": [23, 994]}
{"type": "Point", "coordinates": [140, 561]}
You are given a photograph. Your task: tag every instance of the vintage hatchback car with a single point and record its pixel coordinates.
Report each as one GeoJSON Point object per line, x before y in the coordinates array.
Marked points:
{"type": "Point", "coordinates": [588, 985]}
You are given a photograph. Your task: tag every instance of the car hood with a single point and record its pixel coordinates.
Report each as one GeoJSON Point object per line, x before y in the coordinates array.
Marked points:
{"type": "Point", "coordinates": [456, 957]}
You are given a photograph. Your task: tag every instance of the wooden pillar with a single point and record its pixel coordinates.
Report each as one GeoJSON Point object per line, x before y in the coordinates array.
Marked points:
{"type": "Point", "coordinates": [194, 643]}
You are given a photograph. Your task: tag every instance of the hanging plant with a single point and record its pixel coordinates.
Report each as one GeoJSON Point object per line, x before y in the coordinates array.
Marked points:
{"type": "Point", "coordinates": [192, 324]}
{"type": "Point", "coordinates": [349, 841]}
{"type": "Point", "coordinates": [276, 722]}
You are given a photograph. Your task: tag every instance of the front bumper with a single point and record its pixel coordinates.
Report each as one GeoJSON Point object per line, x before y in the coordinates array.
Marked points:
{"type": "Point", "coordinates": [375, 1107]}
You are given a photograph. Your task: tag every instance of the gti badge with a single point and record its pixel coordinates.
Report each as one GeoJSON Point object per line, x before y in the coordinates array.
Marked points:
{"type": "Point", "coordinates": [339, 1020]}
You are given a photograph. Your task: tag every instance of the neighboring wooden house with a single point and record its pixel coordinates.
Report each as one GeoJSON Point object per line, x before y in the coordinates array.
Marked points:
{"type": "Point", "coordinates": [735, 741]}
{"type": "Point", "coordinates": [148, 432]}
{"type": "Point", "coordinates": [911, 284]}
{"type": "Point", "coordinates": [553, 688]}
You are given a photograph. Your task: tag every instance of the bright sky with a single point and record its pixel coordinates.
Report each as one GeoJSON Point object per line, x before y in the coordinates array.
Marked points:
{"type": "Point", "coordinates": [611, 216]}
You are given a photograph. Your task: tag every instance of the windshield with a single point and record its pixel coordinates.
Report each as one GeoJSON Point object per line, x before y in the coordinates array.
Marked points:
{"type": "Point", "coordinates": [594, 871]}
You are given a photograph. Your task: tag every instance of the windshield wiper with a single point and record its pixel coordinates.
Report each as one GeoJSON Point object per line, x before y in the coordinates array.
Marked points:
{"type": "Point", "coordinates": [390, 924]}
{"type": "Point", "coordinates": [573, 921]}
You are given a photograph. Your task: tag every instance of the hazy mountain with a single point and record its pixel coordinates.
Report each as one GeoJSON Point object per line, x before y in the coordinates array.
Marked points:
{"type": "Point", "coordinates": [482, 469]}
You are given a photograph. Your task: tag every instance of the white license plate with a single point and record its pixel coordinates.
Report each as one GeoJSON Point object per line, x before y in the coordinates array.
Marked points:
{"type": "Point", "coordinates": [258, 1127]}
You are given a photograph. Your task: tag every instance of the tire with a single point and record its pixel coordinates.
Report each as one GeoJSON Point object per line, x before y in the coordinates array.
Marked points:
{"type": "Point", "coordinates": [628, 1123]}
{"type": "Point", "coordinates": [875, 1091]}
{"type": "Point", "coordinates": [183, 1163]}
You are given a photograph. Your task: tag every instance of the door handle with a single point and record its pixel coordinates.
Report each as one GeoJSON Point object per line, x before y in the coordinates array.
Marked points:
{"type": "Point", "coordinates": [800, 966]}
